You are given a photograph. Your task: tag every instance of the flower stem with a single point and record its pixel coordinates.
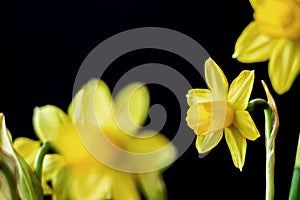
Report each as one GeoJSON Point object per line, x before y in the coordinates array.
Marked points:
{"type": "Point", "coordinates": [261, 104]}
{"type": "Point", "coordinates": [38, 163]}
{"type": "Point", "coordinates": [295, 184]}
{"type": "Point", "coordinates": [270, 155]}
{"type": "Point", "coordinates": [271, 129]}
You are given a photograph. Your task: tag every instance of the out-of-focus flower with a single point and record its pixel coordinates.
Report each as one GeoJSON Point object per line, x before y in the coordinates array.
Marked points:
{"type": "Point", "coordinates": [216, 110]}
{"type": "Point", "coordinates": [76, 173]}
{"type": "Point", "coordinates": [274, 35]}
{"type": "Point", "coordinates": [17, 180]}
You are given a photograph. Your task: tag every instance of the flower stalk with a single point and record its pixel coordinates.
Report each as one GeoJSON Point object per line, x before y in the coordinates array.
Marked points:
{"type": "Point", "coordinates": [38, 163]}
{"type": "Point", "coordinates": [271, 128]}
{"type": "Point", "coordinates": [270, 155]}
{"type": "Point", "coordinates": [295, 184]}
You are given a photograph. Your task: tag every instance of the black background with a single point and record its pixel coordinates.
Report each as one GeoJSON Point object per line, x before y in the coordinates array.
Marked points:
{"type": "Point", "coordinates": [43, 44]}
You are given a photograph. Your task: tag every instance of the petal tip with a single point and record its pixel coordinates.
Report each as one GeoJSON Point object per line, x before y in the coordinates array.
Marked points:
{"type": "Point", "coordinates": [252, 72]}
{"type": "Point", "coordinates": [235, 55]}
{"type": "Point", "coordinates": [36, 110]}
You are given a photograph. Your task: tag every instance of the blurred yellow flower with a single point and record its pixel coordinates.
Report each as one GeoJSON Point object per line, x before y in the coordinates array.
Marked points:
{"type": "Point", "coordinates": [274, 35]}
{"type": "Point", "coordinates": [75, 172]}
{"type": "Point", "coordinates": [216, 110]}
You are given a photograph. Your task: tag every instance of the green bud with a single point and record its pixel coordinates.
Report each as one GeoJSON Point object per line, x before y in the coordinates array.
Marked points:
{"type": "Point", "coordinates": [20, 181]}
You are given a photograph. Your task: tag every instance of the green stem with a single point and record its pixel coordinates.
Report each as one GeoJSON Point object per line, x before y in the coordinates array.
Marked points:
{"type": "Point", "coordinates": [257, 104]}
{"type": "Point", "coordinates": [10, 179]}
{"type": "Point", "coordinates": [270, 155]}
{"type": "Point", "coordinates": [38, 163]}
{"type": "Point", "coordinates": [261, 104]}
{"type": "Point", "coordinates": [295, 184]}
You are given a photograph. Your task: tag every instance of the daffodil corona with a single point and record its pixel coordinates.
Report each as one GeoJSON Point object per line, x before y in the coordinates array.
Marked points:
{"type": "Point", "coordinates": [274, 35]}
{"type": "Point", "coordinates": [219, 109]}
{"type": "Point", "coordinates": [75, 172]}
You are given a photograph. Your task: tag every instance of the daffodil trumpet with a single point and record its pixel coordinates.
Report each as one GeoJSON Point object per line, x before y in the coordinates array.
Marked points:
{"type": "Point", "coordinates": [295, 184]}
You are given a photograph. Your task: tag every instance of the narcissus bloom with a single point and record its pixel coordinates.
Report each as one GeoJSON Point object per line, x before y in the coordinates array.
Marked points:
{"type": "Point", "coordinates": [77, 173]}
{"type": "Point", "coordinates": [219, 109]}
{"type": "Point", "coordinates": [274, 35]}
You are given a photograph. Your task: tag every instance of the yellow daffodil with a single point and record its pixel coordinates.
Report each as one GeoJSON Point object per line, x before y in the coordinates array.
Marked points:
{"type": "Point", "coordinates": [76, 172]}
{"type": "Point", "coordinates": [219, 109]}
{"type": "Point", "coordinates": [274, 35]}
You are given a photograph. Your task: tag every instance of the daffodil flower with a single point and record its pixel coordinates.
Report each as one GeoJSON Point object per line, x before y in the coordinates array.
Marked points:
{"type": "Point", "coordinates": [274, 35]}
{"type": "Point", "coordinates": [219, 109]}
{"type": "Point", "coordinates": [75, 172]}
{"type": "Point", "coordinates": [17, 180]}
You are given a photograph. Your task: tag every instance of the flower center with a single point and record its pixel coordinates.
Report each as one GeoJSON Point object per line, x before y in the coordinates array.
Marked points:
{"type": "Point", "coordinates": [222, 115]}
{"type": "Point", "coordinates": [279, 18]}
{"type": "Point", "coordinates": [209, 117]}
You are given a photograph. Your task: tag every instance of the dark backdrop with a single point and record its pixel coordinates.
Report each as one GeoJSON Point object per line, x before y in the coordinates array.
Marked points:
{"type": "Point", "coordinates": [43, 44]}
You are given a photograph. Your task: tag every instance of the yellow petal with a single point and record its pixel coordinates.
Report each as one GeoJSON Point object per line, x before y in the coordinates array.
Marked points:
{"type": "Point", "coordinates": [246, 126]}
{"type": "Point", "coordinates": [92, 186]}
{"type": "Point", "coordinates": [153, 186]}
{"type": "Point", "coordinates": [27, 148]}
{"type": "Point", "coordinates": [237, 146]}
{"type": "Point", "coordinates": [216, 80]}
{"type": "Point", "coordinates": [284, 65]}
{"type": "Point", "coordinates": [92, 105]}
{"type": "Point", "coordinates": [52, 165]}
{"type": "Point", "coordinates": [252, 46]}
{"type": "Point", "coordinates": [240, 90]}
{"type": "Point", "coordinates": [255, 3]}
{"type": "Point", "coordinates": [195, 96]}
{"type": "Point", "coordinates": [155, 150]}
{"type": "Point", "coordinates": [47, 120]}
{"type": "Point", "coordinates": [208, 142]}
{"type": "Point", "coordinates": [62, 185]}
{"type": "Point", "coordinates": [131, 107]}
{"type": "Point", "coordinates": [124, 187]}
